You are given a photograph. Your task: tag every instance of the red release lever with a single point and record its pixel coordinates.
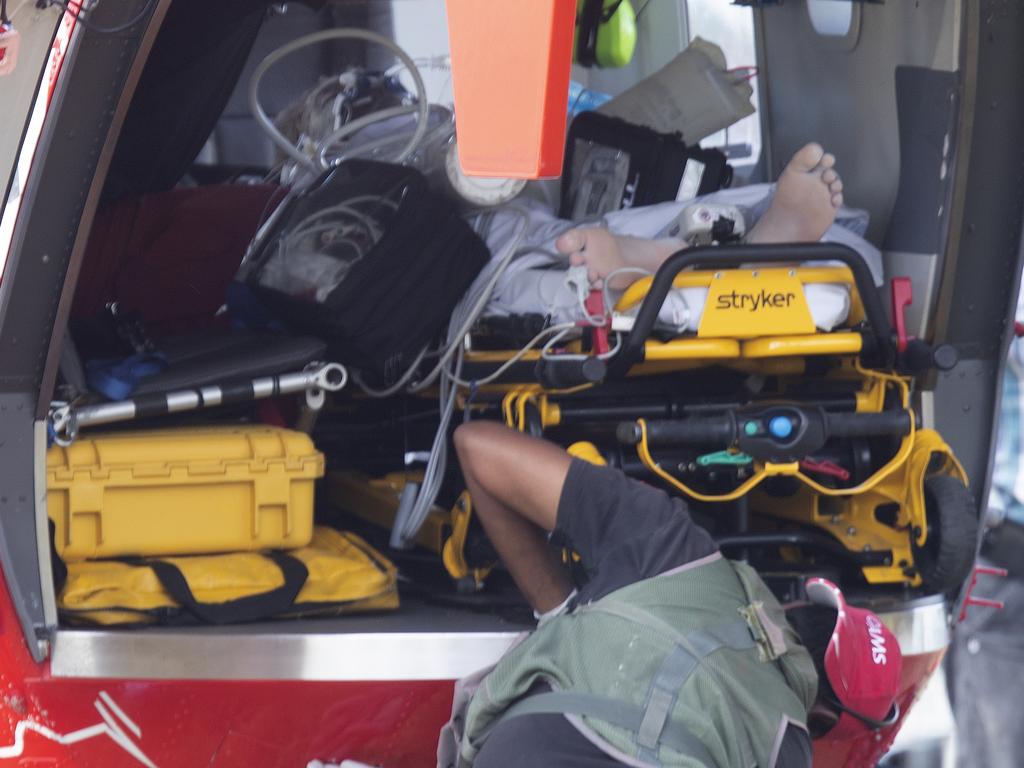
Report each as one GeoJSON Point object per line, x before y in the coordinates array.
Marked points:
{"type": "Point", "coordinates": [970, 599]}
{"type": "Point", "coordinates": [902, 297]}
{"type": "Point", "coordinates": [599, 335]}
{"type": "Point", "coordinates": [825, 468]}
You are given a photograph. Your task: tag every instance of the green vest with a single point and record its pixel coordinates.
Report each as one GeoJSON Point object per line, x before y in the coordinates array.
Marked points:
{"type": "Point", "coordinates": [688, 669]}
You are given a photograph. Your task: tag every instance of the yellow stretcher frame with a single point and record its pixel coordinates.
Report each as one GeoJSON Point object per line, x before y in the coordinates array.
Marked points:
{"type": "Point", "coordinates": [637, 291]}
{"type": "Point", "coordinates": [847, 513]}
{"type": "Point", "coordinates": [376, 499]}
{"type": "Point", "coordinates": [739, 349]}
{"type": "Point", "coordinates": [852, 520]}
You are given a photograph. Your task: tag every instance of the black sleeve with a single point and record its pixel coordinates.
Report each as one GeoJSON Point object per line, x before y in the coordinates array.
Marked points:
{"type": "Point", "coordinates": [625, 530]}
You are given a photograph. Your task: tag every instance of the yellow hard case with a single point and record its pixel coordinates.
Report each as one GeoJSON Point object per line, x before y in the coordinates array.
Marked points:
{"type": "Point", "coordinates": [182, 492]}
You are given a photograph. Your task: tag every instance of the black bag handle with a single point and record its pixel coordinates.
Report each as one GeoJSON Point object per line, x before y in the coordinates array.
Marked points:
{"type": "Point", "coordinates": [60, 569]}
{"type": "Point", "coordinates": [242, 609]}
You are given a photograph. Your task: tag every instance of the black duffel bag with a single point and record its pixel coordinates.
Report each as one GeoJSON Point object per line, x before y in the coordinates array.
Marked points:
{"type": "Point", "coordinates": [612, 164]}
{"type": "Point", "coordinates": [369, 259]}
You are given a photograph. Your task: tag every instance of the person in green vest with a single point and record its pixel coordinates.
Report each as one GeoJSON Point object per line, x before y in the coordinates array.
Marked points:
{"type": "Point", "coordinates": [667, 654]}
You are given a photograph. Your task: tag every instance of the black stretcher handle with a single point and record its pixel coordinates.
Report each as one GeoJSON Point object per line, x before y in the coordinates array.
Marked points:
{"type": "Point", "coordinates": [700, 430]}
{"type": "Point", "coordinates": [891, 423]}
{"type": "Point", "coordinates": [553, 373]}
{"type": "Point", "coordinates": [814, 541]}
{"type": "Point", "coordinates": [724, 429]}
{"type": "Point", "coordinates": [733, 256]}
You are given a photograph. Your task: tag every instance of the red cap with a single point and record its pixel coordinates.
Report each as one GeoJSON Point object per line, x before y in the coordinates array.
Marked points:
{"type": "Point", "coordinates": [863, 663]}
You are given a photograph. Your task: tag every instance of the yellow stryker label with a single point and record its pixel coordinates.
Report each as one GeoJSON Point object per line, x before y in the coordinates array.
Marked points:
{"type": "Point", "coordinates": [747, 304]}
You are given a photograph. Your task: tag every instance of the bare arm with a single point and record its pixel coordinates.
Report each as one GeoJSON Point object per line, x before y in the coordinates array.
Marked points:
{"type": "Point", "coordinates": [516, 483]}
{"type": "Point", "coordinates": [524, 473]}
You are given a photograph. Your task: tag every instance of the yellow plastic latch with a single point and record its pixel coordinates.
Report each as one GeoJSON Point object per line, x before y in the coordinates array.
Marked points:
{"type": "Point", "coordinates": [588, 452]}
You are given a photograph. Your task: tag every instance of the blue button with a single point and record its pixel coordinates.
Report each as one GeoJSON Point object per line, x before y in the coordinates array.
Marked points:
{"type": "Point", "coordinates": [780, 427]}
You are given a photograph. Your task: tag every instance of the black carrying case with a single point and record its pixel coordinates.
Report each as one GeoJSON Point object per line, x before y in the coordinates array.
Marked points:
{"type": "Point", "coordinates": [418, 261]}
{"type": "Point", "coordinates": [612, 164]}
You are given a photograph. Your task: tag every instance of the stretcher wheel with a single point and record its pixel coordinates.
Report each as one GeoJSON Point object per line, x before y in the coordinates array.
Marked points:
{"type": "Point", "coordinates": [947, 556]}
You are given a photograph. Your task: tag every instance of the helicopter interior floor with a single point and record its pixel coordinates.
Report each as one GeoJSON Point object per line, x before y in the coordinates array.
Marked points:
{"type": "Point", "coordinates": [416, 615]}
{"type": "Point", "coordinates": [421, 641]}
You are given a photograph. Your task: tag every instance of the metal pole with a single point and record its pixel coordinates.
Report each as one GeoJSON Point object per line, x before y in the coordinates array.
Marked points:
{"type": "Point", "coordinates": [317, 379]}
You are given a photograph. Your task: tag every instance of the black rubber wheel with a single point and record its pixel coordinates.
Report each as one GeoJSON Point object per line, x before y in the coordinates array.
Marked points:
{"type": "Point", "coordinates": [947, 557]}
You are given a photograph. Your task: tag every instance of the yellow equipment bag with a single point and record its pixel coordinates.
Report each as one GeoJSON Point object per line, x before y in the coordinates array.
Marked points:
{"type": "Point", "coordinates": [337, 573]}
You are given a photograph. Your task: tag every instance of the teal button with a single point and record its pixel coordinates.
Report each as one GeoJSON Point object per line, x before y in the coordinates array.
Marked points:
{"type": "Point", "coordinates": [750, 428]}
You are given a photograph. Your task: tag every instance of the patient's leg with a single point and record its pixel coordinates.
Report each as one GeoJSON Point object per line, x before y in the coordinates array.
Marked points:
{"type": "Point", "coordinates": [807, 196]}
{"type": "Point", "coordinates": [604, 253]}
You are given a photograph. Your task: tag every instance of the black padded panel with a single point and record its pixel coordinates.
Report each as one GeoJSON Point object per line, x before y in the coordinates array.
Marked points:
{"type": "Point", "coordinates": [927, 103]}
{"type": "Point", "coordinates": [198, 361]}
{"type": "Point", "coordinates": [177, 102]}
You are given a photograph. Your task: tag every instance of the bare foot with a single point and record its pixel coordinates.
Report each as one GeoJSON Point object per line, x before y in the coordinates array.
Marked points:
{"type": "Point", "coordinates": [604, 253]}
{"type": "Point", "coordinates": [808, 194]}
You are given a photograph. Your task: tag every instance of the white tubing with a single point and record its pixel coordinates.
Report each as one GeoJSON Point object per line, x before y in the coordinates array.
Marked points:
{"type": "Point", "coordinates": [375, 117]}
{"type": "Point", "coordinates": [279, 138]}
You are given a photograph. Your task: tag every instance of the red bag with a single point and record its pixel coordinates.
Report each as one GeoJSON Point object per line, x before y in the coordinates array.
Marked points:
{"type": "Point", "coordinates": [170, 256]}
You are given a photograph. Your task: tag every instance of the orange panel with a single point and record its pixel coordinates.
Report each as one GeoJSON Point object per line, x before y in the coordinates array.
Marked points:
{"type": "Point", "coordinates": [510, 76]}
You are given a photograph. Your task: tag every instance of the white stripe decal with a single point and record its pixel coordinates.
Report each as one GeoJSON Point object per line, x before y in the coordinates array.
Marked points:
{"type": "Point", "coordinates": [108, 727]}
{"type": "Point", "coordinates": [120, 713]}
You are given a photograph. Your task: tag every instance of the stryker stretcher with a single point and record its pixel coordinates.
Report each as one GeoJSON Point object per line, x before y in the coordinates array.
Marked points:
{"type": "Point", "coordinates": [806, 442]}
{"type": "Point", "coordinates": [799, 447]}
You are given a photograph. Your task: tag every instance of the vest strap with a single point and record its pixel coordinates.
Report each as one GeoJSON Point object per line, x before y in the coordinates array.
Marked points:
{"type": "Point", "coordinates": [661, 700]}
{"type": "Point", "coordinates": [619, 713]}
{"type": "Point", "coordinates": [673, 673]}
{"type": "Point", "coordinates": [651, 723]}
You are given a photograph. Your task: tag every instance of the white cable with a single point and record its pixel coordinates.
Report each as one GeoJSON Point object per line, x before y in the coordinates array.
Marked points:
{"type": "Point", "coordinates": [546, 349]}
{"type": "Point", "coordinates": [462, 320]}
{"type": "Point", "coordinates": [279, 138]}
{"type": "Point", "coordinates": [483, 295]}
{"type": "Point", "coordinates": [476, 298]}
{"type": "Point", "coordinates": [577, 280]}
{"type": "Point", "coordinates": [608, 304]}
{"type": "Point", "coordinates": [463, 317]}
{"type": "Point", "coordinates": [465, 314]}
{"type": "Point", "coordinates": [368, 147]}
{"type": "Point", "coordinates": [395, 388]}
{"type": "Point", "coordinates": [433, 474]}
{"type": "Point", "coordinates": [375, 117]}
{"type": "Point", "coordinates": [495, 375]}
{"type": "Point", "coordinates": [311, 225]}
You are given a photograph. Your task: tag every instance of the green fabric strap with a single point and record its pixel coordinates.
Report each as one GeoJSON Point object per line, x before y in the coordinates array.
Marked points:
{"type": "Point", "coordinates": [661, 700]}
{"type": "Point", "coordinates": [673, 673]}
